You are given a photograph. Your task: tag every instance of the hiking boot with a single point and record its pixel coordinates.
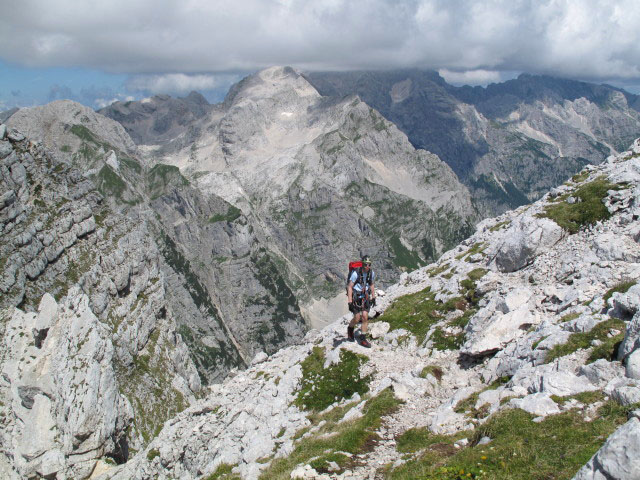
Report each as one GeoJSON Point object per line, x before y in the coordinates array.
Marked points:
{"type": "Point", "coordinates": [363, 341]}
{"type": "Point", "coordinates": [350, 336]}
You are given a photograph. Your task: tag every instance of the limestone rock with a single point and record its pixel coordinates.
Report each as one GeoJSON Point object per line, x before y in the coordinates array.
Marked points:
{"type": "Point", "coordinates": [618, 458]}
{"type": "Point", "coordinates": [524, 240]}
{"type": "Point", "coordinates": [539, 404]}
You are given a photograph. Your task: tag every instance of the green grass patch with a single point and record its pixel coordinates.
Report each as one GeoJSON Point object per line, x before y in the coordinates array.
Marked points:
{"type": "Point", "coordinates": [476, 274]}
{"type": "Point", "coordinates": [621, 287]}
{"type": "Point", "coordinates": [568, 317]}
{"type": "Point", "coordinates": [163, 177]}
{"type": "Point", "coordinates": [521, 449]}
{"type": "Point", "coordinates": [587, 210]}
{"type": "Point", "coordinates": [354, 436]}
{"type": "Point", "coordinates": [416, 439]}
{"type": "Point", "coordinates": [83, 133]}
{"type": "Point", "coordinates": [587, 398]}
{"type": "Point", "coordinates": [474, 249]}
{"type": "Point", "coordinates": [500, 226]}
{"type": "Point", "coordinates": [581, 176]}
{"type": "Point", "coordinates": [437, 270]}
{"type": "Point", "coordinates": [151, 454]}
{"type": "Point", "coordinates": [416, 313]}
{"type": "Point", "coordinates": [320, 387]}
{"type": "Point", "coordinates": [432, 370]}
{"type": "Point", "coordinates": [233, 213]}
{"type": "Point", "coordinates": [582, 340]}
{"type": "Point", "coordinates": [468, 404]}
{"type": "Point", "coordinates": [443, 340]}
{"type": "Point", "coordinates": [402, 256]}
{"type": "Point", "coordinates": [223, 471]}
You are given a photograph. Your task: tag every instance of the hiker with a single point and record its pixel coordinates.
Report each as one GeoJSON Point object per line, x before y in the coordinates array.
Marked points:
{"type": "Point", "coordinates": [361, 295]}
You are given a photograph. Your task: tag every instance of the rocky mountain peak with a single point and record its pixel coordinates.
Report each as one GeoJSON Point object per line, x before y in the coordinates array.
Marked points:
{"type": "Point", "coordinates": [62, 125]}
{"type": "Point", "coordinates": [273, 83]}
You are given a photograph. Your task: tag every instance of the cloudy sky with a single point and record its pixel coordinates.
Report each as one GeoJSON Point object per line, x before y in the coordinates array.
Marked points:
{"type": "Point", "coordinates": [97, 51]}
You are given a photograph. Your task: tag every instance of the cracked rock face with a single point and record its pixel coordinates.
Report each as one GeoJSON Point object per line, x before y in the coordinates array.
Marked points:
{"type": "Point", "coordinates": [62, 405]}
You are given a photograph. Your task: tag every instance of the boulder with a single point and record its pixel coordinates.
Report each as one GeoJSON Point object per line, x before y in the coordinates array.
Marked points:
{"type": "Point", "coordinates": [601, 372]}
{"type": "Point", "coordinates": [526, 238]}
{"type": "Point", "coordinates": [633, 365]}
{"type": "Point", "coordinates": [539, 404]}
{"type": "Point", "coordinates": [618, 458]}
{"type": "Point", "coordinates": [631, 339]}
{"type": "Point", "coordinates": [626, 395]}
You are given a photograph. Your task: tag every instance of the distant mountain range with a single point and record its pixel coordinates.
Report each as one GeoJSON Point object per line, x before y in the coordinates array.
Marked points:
{"type": "Point", "coordinates": [508, 142]}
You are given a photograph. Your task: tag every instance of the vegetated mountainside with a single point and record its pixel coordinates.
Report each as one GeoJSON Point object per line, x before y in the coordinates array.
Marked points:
{"type": "Point", "coordinates": [515, 356]}
{"type": "Point", "coordinates": [321, 181]}
{"type": "Point", "coordinates": [509, 142]}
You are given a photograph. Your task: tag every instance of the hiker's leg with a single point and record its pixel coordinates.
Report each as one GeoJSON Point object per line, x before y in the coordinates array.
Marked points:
{"type": "Point", "coordinates": [354, 320]}
{"type": "Point", "coordinates": [365, 322]}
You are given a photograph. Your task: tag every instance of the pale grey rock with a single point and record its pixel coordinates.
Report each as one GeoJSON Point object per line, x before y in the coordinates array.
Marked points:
{"type": "Point", "coordinates": [631, 341]}
{"type": "Point", "coordinates": [565, 383]}
{"type": "Point", "coordinates": [112, 160]}
{"type": "Point", "coordinates": [626, 395]}
{"type": "Point", "coordinates": [15, 135]}
{"type": "Point", "coordinates": [526, 238]}
{"type": "Point", "coordinates": [499, 323]}
{"type": "Point", "coordinates": [379, 329]}
{"type": "Point", "coordinates": [539, 404]}
{"type": "Point", "coordinates": [601, 372]}
{"type": "Point", "coordinates": [615, 247]}
{"type": "Point", "coordinates": [3, 131]}
{"type": "Point", "coordinates": [625, 305]}
{"type": "Point", "coordinates": [5, 149]}
{"type": "Point", "coordinates": [73, 355]}
{"type": "Point", "coordinates": [259, 358]}
{"type": "Point", "coordinates": [618, 458]}
{"type": "Point", "coordinates": [633, 365]}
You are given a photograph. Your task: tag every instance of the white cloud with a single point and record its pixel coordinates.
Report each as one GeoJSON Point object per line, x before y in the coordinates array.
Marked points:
{"type": "Point", "coordinates": [176, 82]}
{"type": "Point", "coordinates": [102, 102]}
{"type": "Point", "coordinates": [470, 77]}
{"type": "Point", "coordinates": [579, 38]}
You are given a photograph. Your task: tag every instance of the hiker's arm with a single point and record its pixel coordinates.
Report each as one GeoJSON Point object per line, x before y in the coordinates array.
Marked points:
{"type": "Point", "coordinates": [350, 292]}
{"type": "Point", "coordinates": [373, 291]}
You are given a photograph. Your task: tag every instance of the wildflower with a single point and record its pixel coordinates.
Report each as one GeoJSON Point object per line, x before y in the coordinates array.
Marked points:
{"type": "Point", "coordinates": [483, 457]}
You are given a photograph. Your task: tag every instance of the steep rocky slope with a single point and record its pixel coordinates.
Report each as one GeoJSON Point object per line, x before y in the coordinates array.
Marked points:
{"type": "Point", "coordinates": [320, 181]}
{"type": "Point", "coordinates": [509, 142]}
{"type": "Point", "coordinates": [516, 355]}
{"type": "Point", "coordinates": [94, 366]}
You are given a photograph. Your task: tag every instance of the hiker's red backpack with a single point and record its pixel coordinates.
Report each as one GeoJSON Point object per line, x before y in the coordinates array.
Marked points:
{"type": "Point", "coordinates": [352, 266]}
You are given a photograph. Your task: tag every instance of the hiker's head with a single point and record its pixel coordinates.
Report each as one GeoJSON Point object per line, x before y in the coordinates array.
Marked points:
{"type": "Point", "coordinates": [366, 261]}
